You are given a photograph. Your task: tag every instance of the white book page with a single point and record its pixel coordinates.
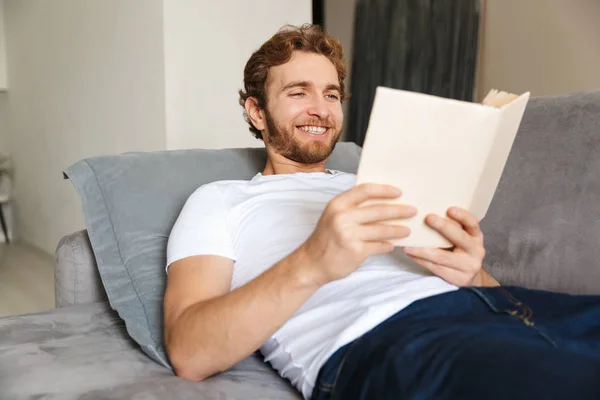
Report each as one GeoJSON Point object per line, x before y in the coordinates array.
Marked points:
{"type": "Point", "coordinates": [510, 120]}
{"type": "Point", "coordinates": [433, 149]}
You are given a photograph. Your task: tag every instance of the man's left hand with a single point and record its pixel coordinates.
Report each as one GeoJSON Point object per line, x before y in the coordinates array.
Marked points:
{"type": "Point", "coordinates": [462, 265]}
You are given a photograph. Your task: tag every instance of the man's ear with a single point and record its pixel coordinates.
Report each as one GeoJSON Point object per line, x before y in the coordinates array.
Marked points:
{"type": "Point", "coordinates": [255, 113]}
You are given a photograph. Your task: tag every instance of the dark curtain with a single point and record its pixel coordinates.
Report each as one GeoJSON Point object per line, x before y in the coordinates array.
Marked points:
{"type": "Point", "coordinates": [318, 12]}
{"type": "Point", "coordinates": [426, 46]}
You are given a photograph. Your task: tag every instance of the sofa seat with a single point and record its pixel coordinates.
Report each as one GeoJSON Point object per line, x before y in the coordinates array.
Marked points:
{"type": "Point", "coordinates": [83, 352]}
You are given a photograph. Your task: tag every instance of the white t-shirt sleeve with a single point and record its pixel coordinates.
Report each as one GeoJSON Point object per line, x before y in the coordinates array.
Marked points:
{"type": "Point", "coordinates": [202, 227]}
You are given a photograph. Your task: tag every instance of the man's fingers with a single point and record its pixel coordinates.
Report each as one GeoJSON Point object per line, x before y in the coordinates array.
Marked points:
{"type": "Point", "coordinates": [451, 275]}
{"type": "Point", "coordinates": [374, 248]}
{"type": "Point", "coordinates": [366, 191]}
{"type": "Point", "coordinates": [439, 256]}
{"type": "Point", "coordinates": [383, 232]}
{"type": "Point", "coordinates": [467, 220]}
{"type": "Point", "coordinates": [452, 231]}
{"type": "Point", "coordinates": [383, 212]}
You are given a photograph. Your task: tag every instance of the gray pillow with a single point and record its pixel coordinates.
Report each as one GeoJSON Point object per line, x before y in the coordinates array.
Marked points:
{"type": "Point", "coordinates": [130, 203]}
{"type": "Point", "coordinates": [542, 229]}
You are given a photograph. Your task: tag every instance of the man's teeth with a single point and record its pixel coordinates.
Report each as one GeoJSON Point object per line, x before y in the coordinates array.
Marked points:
{"type": "Point", "coordinates": [317, 130]}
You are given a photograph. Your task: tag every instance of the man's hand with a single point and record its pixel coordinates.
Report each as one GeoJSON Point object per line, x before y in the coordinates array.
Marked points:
{"type": "Point", "coordinates": [462, 265]}
{"type": "Point", "coordinates": [349, 232]}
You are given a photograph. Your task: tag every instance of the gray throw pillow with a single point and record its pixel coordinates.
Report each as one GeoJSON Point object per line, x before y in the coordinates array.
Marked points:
{"type": "Point", "coordinates": [542, 230]}
{"type": "Point", "coordinates": [130, 203]}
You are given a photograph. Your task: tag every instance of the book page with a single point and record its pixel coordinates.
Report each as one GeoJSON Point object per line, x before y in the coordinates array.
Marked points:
{"type": "Point", "coordinates": [512, 114]}
{"type": "Point", "coordinates": [434, 149]}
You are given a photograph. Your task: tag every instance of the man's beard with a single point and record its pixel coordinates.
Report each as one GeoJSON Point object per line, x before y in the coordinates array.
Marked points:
{"type": "Point", "coordinates": [287, 145]}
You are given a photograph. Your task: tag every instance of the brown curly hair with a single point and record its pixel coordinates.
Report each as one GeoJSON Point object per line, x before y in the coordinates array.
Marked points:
{"type": "Point", "coordinates": [277, 51]}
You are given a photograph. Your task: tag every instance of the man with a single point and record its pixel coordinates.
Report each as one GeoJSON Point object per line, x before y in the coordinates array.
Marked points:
{"type": "Point", "coordinates": [292, 263]}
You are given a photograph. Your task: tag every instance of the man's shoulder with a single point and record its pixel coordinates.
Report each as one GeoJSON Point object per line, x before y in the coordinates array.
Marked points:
{"type": "Point", "coordinates": [217, 190]}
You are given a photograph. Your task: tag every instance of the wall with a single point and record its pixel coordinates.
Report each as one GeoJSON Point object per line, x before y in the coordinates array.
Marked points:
{"type": "Point", "coordinates": [543, 46]}
{"type": "Point", "coordinates": [4, 136]}
{"type": "Point", "coordinates": [4, 139]}
{"type": "Point", "coordinates": [5, 184]}
{"type": "Point", "coordinates": [104, 77]}
{"type": "Point", "coordinates": [86, 78]}
{"type": "Point", "coordinates": [339, 22]}
{"type": "Point", "coordinates": [3, 95]}
{"type": "Point", "coordinates": [3, 80]}
{"type": "Point", "coordinates": [204, 64]}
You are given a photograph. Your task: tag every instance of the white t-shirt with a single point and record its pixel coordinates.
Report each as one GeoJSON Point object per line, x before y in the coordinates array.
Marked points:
{"type": "Point", "coordinates": [257, 223]}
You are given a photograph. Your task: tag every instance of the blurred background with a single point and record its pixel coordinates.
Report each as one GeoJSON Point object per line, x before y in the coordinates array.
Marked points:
{"type": "Point", "coordinates": [81, 78]}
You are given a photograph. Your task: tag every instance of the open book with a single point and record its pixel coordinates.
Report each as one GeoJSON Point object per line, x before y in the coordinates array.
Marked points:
{"type": "Point", "coordinates": [439, 152]}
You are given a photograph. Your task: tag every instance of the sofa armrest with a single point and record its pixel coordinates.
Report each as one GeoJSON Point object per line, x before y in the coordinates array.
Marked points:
{"type": "Point", "coordinates": [76, 277]}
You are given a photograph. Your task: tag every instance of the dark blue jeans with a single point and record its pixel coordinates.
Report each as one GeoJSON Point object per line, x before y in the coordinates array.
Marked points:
{"type": "Point", "coordinates": [474, 343]}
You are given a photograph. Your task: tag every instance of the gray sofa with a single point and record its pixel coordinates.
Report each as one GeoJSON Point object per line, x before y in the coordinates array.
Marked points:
{"type": "Point", "coordinates": [542, 231]}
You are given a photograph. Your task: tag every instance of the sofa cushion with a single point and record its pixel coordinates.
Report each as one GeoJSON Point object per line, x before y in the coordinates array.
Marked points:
{"type": "Point", "coordinates": [130, 203]}
{"type": "Point", "coordinates": [543, 226]}
{"type": "Point", "coordinates": [83, 352]}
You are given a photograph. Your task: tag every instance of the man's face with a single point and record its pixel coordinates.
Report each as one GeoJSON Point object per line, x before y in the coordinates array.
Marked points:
{"type": "Point", "coordinates": [304, 112]}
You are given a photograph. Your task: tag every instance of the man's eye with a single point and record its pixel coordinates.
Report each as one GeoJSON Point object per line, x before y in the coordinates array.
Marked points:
{"type": "Point", "coordinates": [333, 96]}
{"type": "Point", "coordinates": [298, 95]}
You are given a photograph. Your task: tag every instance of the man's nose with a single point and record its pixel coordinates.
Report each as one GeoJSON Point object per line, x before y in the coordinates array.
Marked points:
{"type": "Point", "coordinates": [318, 107]}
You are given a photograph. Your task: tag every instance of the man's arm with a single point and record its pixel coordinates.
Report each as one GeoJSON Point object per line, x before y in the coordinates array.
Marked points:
{"type": "Point", "coordinates": [208, 329]}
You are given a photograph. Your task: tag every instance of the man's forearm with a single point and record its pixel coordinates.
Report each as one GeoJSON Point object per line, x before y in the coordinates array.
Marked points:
{"type": "Point", "coordinates": [211, 336]}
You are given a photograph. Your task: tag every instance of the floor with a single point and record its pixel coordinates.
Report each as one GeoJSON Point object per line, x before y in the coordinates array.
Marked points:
{"type": "Point", "coordinates": [26, 279]}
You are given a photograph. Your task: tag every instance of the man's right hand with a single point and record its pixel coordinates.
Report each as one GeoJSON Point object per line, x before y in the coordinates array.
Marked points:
{"type": "Point", "coordinates": [349, 232]}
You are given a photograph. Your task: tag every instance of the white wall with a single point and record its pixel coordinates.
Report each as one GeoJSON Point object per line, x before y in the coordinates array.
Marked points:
{"type": "Point", "coordinates": [104, 77]}
{"type": "Point", "coordinates": [543, 46]}
{"type": "Point", "coordinates": [207, 44]}
{"type": "Point", "coordinates": [86, 78]}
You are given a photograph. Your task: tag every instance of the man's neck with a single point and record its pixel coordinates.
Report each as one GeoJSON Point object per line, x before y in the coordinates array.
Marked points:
{"type": "Point", "coordinates": [277, 164]}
